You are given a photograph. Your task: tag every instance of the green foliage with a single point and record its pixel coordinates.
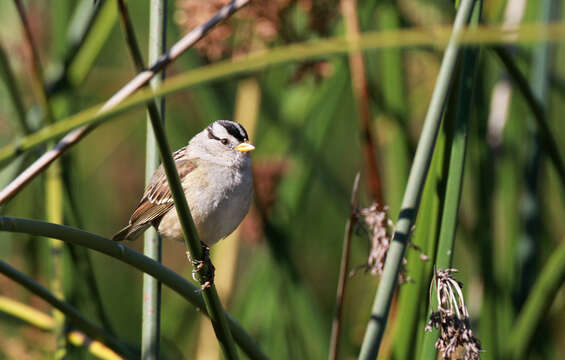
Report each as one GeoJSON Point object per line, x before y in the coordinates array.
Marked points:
{"type": "Point", "coordinates": [309, 147]}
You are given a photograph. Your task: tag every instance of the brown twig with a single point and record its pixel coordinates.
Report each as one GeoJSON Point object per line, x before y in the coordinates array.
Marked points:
{"type": "Point", "coordinates": [343, 272]}
{"type": "Point", "coordinates": [137, 82]}
{"type": "Point", "coordinates": [360, 91]}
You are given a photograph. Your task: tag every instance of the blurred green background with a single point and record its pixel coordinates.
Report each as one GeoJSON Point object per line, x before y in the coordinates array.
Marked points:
{"type": "Point", "coordinates": [281, 266]}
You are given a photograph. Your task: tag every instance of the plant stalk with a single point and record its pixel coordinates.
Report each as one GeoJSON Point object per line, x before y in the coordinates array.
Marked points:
{"type": "Point", "coordinates": [450, 214]}
{"type": "Point", "coordinates": [343, 272]}
{"type": "Point", "coordinates": [121, 252]}
{"type": "Point", "coordinates": [192, 241]}
{"type": "Point", "coordinates": [416, 181]}
{"type": "Point", "coordinates": [360, 92]}
{"type": "Point", "coordinates": [151, 297]}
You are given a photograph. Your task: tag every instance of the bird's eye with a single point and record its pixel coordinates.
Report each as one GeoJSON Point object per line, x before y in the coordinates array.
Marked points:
{"type": "Point", "coordinates": [224, 141]}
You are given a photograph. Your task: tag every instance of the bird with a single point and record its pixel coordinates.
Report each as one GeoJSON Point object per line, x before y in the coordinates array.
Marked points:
{"type": "Point", "coordinates": [215, 172]}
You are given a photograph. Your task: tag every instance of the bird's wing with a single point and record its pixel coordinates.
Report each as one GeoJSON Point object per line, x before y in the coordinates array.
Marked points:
{"type": "Point", "coordinates": [157, 199]}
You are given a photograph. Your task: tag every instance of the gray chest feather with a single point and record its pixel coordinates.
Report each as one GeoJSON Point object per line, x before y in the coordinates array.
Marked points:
{"type": "Point", "coordinates": [229, 198]}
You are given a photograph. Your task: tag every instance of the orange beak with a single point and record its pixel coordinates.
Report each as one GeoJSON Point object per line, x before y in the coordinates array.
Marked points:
{"type": "Point", "coordinates": [244, 147]}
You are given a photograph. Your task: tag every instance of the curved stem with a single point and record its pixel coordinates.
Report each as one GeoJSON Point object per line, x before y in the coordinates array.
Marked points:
{"type": "Point", "coordinates": [73, 314]}
{"type": "Point", "coordinates": [192, 241]}
{"type": "Point", "coordinates": [131, 257]}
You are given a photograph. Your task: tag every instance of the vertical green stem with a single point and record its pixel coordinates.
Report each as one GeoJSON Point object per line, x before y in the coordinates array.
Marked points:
{"type": "Point", "coordinates": [416, 180]}
{"type": "Point", "coordinates": [54, 199]}
{"type": "Point", "coordinates": [151, 316]}
{"type": "Point", "coordinates": [192, 241]}
{"type": "Point", "coordinates": [458, 153]}
{"type": "Point", "coordinates": [454, 185]}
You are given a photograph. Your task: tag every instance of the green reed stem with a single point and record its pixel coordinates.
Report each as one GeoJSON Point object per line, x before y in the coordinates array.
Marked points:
{"type": "Point", "coordinates": [446, 243]}
{"type": "Point", "coordinates": [151, 297]}
{"type": "Point", "coordinates": [416, 181]}
{"type": "Point", "coordinates": [192, 241]}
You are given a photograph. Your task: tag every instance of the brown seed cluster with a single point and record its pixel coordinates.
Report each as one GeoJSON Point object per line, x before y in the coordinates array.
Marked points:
{"type": "Point", "coordinates": [452, 318]}
{"type": "Point", "coordinates": [258, 25]}
{"type": "Point", "coordinates": [376, 222]}
{"type": "Point", "coordinates": [250, 29]}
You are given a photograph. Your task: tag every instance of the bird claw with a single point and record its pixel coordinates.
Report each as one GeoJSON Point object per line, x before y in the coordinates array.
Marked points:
{"type": "Point", "coordinates": [200, 264]}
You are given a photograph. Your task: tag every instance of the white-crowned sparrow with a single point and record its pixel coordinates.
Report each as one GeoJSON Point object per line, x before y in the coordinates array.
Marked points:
{"type": "Point", "coordinates": [215, 172]}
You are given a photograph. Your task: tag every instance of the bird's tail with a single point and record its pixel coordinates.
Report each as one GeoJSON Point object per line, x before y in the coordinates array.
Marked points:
{"type": "Point", "coordinates": [122, 234]}
{"type": "Point", "coordinates": [130, 232]}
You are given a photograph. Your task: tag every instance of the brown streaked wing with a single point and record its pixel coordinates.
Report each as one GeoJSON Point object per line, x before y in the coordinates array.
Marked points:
{"type": "Point", "coordinates": [157, 199]}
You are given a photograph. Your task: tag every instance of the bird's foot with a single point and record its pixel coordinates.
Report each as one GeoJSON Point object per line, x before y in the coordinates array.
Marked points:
{"type": "Point", "coordinates": [206, 276]}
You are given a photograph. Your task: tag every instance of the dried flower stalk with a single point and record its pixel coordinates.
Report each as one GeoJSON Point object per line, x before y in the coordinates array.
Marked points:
{"type": "Point", "coordinates": [452, 318]}
{"type": "Point", "coordinates": [378, 225]}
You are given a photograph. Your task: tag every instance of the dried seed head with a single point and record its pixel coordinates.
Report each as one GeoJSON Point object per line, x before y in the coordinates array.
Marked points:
{"type": "Point", "coordinates": [260, 24]}
{"type": "Point", "coordinates": [378, 225]}
{"type": "Point", "coordinates": [452, 318]}
{"type": "Point", "coordinates": [257, 25]}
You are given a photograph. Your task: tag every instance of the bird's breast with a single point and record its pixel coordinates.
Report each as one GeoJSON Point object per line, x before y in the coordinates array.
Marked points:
{"type": "Point", "coordinates": [219, 202]}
